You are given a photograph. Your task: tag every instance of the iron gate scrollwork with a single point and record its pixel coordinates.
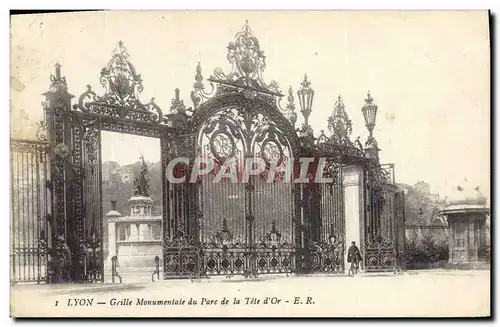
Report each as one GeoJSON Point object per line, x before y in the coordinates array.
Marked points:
{"type": "Point", "coordinates": [384, 216]}
{"type": "Point", "coordinates": [326, 256]}
{"type": "Point", "coordinates": [223, 255]}
{"type": "Point", "coordinates": [247, 224]}
{"type": "Point", "coordinates": [379, 256]}
{"type": "Point", "coordinates": [325, 247]}
{"type": "Point", "coordinates": [181, 251]}
{"type": "Point", "coordinates": [85, 180]}
{"type": "Point", "coordinates": [180, 256]}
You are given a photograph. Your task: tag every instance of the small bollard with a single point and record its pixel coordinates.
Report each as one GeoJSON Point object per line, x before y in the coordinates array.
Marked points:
{"type": "Point", "coordinates": [157, 269]}
{"type": "Point", "coordinates": [114, 272]}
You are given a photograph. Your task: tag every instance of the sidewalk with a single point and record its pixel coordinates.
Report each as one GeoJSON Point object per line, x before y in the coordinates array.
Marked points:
{"type": "Point", "coordinates": [52, 289]}
{"type": "Point", "coordinates": [410, 294]}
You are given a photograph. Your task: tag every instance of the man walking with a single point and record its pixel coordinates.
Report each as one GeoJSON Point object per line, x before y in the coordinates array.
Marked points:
{"type": "Point", "coordinates": [354, 257]}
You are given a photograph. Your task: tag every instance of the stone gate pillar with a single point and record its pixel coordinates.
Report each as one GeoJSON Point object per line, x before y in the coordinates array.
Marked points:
{"type": "Point", "coordinates": [353, 208]}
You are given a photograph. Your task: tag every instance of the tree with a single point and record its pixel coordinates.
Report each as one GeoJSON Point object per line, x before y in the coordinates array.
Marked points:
{"type": "Point", "coordinates": [419, 208]}
{"type": "Point", "coordinates": [425, 253]}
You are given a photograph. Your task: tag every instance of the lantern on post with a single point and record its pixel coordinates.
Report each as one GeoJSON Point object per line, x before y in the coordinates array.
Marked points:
{"type": "Point", "coordinates": [306, 96]}
{"type": "Point", "coordinates": [370, 114]}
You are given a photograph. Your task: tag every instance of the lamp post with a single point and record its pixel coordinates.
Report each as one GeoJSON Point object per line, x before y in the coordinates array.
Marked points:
{"type": "Point", "coordinates": [370, 114]}
{"type": "Point", "coordinates": [306, 96]}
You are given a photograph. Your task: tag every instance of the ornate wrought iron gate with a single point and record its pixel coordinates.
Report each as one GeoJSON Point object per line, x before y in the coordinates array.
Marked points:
{"type": "Point", "coordinates": [248, 221]}
{"type": "Point", "coordinates": [385, 224]}
{"type": "Point", "coordinates": [326, 246]}
{"type": "Point", "coordinates": [30, 211]}
{"type": "Point", "coordinates": [180, 211]}
{"type": "Point", "coordinates": [259, 224]}
{"type": "Point", "coordinates": [399, 229]}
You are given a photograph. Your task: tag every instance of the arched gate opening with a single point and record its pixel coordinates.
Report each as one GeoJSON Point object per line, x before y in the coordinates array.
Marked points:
{"type": "Point", "coordinates": [247, 224]}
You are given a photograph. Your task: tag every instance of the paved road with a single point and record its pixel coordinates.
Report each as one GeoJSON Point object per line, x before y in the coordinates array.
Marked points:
{"type": "Point", "coordinates": [422, 294]}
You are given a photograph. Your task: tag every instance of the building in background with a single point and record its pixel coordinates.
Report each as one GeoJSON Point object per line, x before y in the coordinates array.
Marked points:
{"type": "Point", "coordinates": [109, 169]}
{"type": "Point", "coordinates": [467, 214]}
{"type": "Point", "coordinates": [126, 174]}
{"type": "Point", "coordinates": [425, 189]}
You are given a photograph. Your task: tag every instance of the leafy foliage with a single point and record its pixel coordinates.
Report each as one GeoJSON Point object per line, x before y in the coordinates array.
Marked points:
{"type": "Point", "coordinates": [426, 251]}
{"type": "Point", "coordinates": [414, 201]}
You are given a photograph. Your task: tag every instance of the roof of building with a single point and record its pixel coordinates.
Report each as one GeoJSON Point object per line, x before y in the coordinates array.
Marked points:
{"type": "Point", "coordinates": [113, 213]}
{"type": "Point", "coordinates": [465, 208]}
{"type": "Point", "coordinates": [466, 198]}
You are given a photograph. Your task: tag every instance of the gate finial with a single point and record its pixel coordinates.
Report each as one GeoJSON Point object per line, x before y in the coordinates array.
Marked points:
{"type": "Point", "coordinates": [339, 123]}
{"type": "Point", "coordinates": [248, 64]}
{"type": "Point", "coordinates": [290, 107]}
{"type": "Point", "coordinates": [199, 95]}
{"type": "Point", "coordinates": [246, 27]}
{"type": "Point", "coordinates": [177, 98]}
{"type": "Point", "coordinates": [198, 85]}
{"type": "Point", "coordinates": [58, 70]}
{"type": "Point", "coordinates": [58, 82]}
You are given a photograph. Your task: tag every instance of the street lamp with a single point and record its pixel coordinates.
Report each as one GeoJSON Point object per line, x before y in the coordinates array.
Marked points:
{"type": "Point", "coordinates": [306, 96]}
{"type": "Point", "coordinates": [370, 114]}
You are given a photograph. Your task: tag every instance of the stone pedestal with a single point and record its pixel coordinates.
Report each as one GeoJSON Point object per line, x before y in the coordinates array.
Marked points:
{"type": "Point", "coordinates": [353, 208]}
{"type": "Point", "coordinates": [138, 254]}
{"type": "Point", "coordinates": [131, 238]}
{"type": "Point", "coordinates": [137, 246]}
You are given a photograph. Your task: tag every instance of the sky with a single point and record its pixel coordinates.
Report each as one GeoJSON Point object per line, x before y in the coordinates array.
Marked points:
{"type": "Point", "coordinates": [427, 71]}
{"type": "Point", "coordinates": [135, 145]}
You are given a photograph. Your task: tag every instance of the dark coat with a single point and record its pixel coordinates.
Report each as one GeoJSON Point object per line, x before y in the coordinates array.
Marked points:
{"type": "Point", "coordinates": [353, 255]}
